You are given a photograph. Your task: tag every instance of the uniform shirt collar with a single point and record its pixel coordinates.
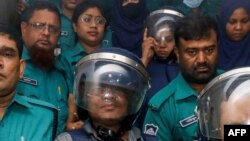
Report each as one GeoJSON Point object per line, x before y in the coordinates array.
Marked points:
{"type": "Point", "coordinates": [183, 89]}
{"type": "Point", "coordinates": [25, 54]}
{"type": "Point", "coordinates": [88, 128]}
{"type": "Point", "coordinates": [79, 49]}
{"type": "Point", "coordinates": [20, 100]}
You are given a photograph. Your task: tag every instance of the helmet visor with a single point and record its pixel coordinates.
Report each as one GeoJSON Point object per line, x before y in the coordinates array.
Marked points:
{"type": "Point", "coordinates": [225, 101]}
{"type": "Point", "coordinates": [105, 86]}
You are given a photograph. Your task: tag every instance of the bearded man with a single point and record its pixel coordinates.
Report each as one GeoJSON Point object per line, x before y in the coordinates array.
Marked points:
{"type": "Point", "coordinates": [47, 76]}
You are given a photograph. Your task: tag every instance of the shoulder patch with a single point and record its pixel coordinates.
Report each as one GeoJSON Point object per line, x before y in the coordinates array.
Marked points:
{"type": "Point", "coordinates": [40, 103]}
{"type": "Point", "coordinates": [151, 129]}
{"type": "Point", "coordinates": [162, 95]}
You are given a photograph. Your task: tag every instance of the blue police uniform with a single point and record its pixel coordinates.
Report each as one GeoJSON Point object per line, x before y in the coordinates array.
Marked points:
{"type": "Point", "coordinates": [28, 119]}
{"type": "Point", "coordinates": [52, 86]}
{"type": "Point", "coordinates": [87, 134]}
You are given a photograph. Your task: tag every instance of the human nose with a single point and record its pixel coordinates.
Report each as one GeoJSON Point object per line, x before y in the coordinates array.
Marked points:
{"type": "Point", "coordinates": [93, 23]}
{"type": "Point", "coordinates": [162, 44]}
{"type": "Point", "coordinates": [108, 95]}
{"type": "Point", "coordinates": [201, 57]}
{"type": "Point", "coordinates": [46, 30]}
{"type": "Point", "coordinates": [238, 26]}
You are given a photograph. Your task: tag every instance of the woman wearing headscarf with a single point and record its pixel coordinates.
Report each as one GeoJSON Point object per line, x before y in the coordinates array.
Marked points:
{"type": "Point", "coordinates": [234, 35]}
{"type": "Point", "coordinates": [127, 24]}
{"type": "Point", "coordinates": [126, 20]}
{"type": "Point", "coordinates": [158, 51]}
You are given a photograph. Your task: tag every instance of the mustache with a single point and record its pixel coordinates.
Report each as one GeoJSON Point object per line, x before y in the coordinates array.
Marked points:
{"type": "Point", "coordinates": [1, 75]}
{"type": "Point", "coordinates": [205, 64]}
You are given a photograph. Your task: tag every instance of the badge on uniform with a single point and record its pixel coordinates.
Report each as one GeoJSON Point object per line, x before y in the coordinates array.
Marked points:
{"type": "Point", "coordinates": [57, 51]}
{"type": "Point", "coordinates": [188, 121]}
{"type": "Point", "coordinates": [29, 81]}
{"type": "Point", "coordinates": [151, 129]}
{"type": "Point", "coordinates": [105, 42]}
{"type": "Point", "coordinates": [64, 33]}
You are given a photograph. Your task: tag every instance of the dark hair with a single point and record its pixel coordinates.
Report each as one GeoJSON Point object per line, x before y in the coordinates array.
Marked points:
{"type": "Point", "coordinates": [12, 34]}
{"type": "Point", "coordinates": [84, 6]}
{"type": "Point", "coordinates": [195, 26]}
{"type": "Point", "coordinates": [39, 5]}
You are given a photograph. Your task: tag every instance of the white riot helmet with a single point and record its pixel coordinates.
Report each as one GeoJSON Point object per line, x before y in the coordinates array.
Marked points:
{"type": "Point", "coordinates": [224, 101]}
{"type": "Point", "coordinates": [116, 69]}
{"type": "Point", "coordinates": [162, 22]}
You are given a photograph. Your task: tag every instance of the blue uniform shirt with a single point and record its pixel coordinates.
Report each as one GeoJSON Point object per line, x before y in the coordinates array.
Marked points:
{"type": "Point", "coordinates": [27, 119]}
{"type": "Point", "coordinates": [52, 86]}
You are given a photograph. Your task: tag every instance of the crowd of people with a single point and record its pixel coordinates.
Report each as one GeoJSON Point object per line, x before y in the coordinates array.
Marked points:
{"type": "Point", "coordinates": [121, 70]}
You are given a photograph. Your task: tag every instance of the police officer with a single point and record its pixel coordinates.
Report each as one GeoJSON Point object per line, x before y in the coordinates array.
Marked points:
{"type": "Point", "coordinates": [170, 115]}
{"type": "Point", "coordinates": [91, 28]}
{"type": "Point", "coordinates": [68, 37]}
{"type": "Point", "coordinates": [110, 87]}
{"type": "Point", "coordinates": [48, 76]}
{"type": "Point", "coordinates": [224, 101]}
{"type": "Point", "coordinates": [21, 118]}
{"type": "Point", "coordinates": [158, 50]}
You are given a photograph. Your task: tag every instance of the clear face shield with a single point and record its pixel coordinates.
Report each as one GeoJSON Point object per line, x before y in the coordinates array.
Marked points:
{"type": "Point", "coordinates": [164, 34]}
{"type": "Point", "coordinates": [110, 85]}
{"type": "Point", "coordinates": [161, 24]}
{"type": "Point", "coordinates": [224, 101]}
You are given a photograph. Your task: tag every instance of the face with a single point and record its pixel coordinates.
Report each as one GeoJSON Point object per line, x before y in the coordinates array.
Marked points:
{"type": "Point", "coordinates": [11, 67]}
{"type": "Point", "coordinates": [238, 25]}
{"type": "Point", "coordinates": [70, 4]}
{"type": "Point", "coordinates": [90, 27]}
{"type": "Point", "coordinates": [198, 58]}
{"type": "Point", "coordinates": [166, 43]}
{"type": "Point", "coordinates": [42, 30]}
{"type": "Point", "coordinates": [108, 104]}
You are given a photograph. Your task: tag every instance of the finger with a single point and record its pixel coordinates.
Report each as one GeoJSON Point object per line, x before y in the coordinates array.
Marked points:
{"type": "Point", "coordinates": [155, 42]}
{"type": "Point", "coordinates": [145, 34]}
{"type": "Point", "coordinates": [78, 125]}
{"type": "Point", "coordinates": [76, 117]}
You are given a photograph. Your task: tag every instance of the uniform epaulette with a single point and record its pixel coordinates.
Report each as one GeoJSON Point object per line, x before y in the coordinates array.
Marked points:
{"type": "Point", "coordinates": [161, 96]}
{"type": "Point", "coordinates": [40, 103]}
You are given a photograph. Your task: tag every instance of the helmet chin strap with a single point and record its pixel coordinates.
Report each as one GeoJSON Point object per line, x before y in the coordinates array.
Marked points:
{"type": "Point", "coordinates": [108, 135]}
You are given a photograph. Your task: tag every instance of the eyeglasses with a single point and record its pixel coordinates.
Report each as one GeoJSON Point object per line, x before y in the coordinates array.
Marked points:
{"type": "Point", "coordinates": [41, 26]}
{"type": "Point", "coordinates": [88, 20]}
